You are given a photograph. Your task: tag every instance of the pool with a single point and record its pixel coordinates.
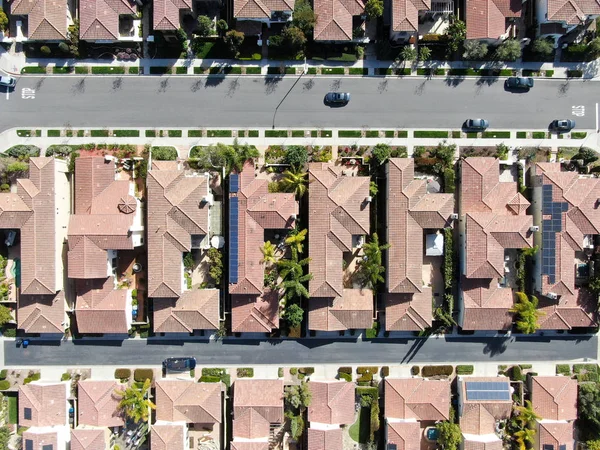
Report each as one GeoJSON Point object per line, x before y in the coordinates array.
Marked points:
{"type": "Point", "coordinates": [432, 434]}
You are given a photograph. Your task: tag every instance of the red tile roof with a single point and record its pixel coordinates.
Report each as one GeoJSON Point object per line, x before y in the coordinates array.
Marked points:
{"type": "Point", "coordinates": [40, 439]}
{"type": "Point", "coordinates": [100, 308]}
{"type": "Point", "coordinates": [196, 309]}
{"type": "Point", "coordinates": [406, 435]}
{"type": "Point", "coordinates": [470, 444]}
{"type": "Point", "coordinates": [325, 439]}
{"type": "Point", "coordinates": [255, 314]}
{"type": "Point", "coordinates": [167, 12]}
{"type": "Point", "coordinates": [332, 402]}
{"type": "Point", "coordinates": [89, 439]}
{"type": "Point", "coordinates": [337, 211]}
{"type": "Point", "coordinates": [556, 434]}
{"type": "Point", "coordinates": [258, 210]}
{"type": "Point", "coordinates": [405, 14]}
{"type": "Point", "coordinates": [99, 19]}
{"type": "Point", "coordinates": [334, 19]}
{"type": "Point", "coordinates": [167, 437]}
{"type": "Point", "coordinates": [417, 398]}
{"type": "Point", "coordinates": [99, 403]}
{"type": "Point", "coordinates": [47, 19]}
{"type": "Point", "coordinates": [260, 9]}
{"type": "Point", "coordinates": [175, 213]}
{"type": "Point", "coordinates": [480, 416]}
{"type": "Point", "coordinates": [187, 401]}
{"type": "Point", "coordinates": [256, 404]}
{"type": "Point", "coordinates": [572, 12]}
{"type": "Point", "coordinates": [486, 305]}
{"type": "Point", "coordinates": [486, 19]}
{"type": "Point", "coordinates": [408, 312]}
{"type": "Point", "coordinates": [250, 445]}
{"type": "Point", "coordinates": [47, 402]}
{"type": "Point", "coordinates": [41, 313]}
{"type": "Point", "coordinates": [352, 311]}
{"type": "Point", "coordinates": [554, 398]}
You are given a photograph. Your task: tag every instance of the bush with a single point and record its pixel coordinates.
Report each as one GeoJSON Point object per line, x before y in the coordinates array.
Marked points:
{"type": "Point", "coordinates": [385, 371]}
{"type": "Point", "coordinates": [415, 370]}
{"type": "Point", "coordinates": [432, 371]}
{"type": "Point", "coordinates": [142, 375]}
{"type": "Point", "coordinates": [574, 73]}
{"type": "Point", "coordinates": [3, 374]}
{"type": "Point", "coordinates": [372, 332]}
{"type": "Point", "coordinates": [363, 370]}
{"type": "Point", "coordinates": [464, 370]}
{"type": "Point", "coordinates": [306, 370]}
{"type": "Point", "coordinates": [381, 153]}
{"type": "Point", "coordinates": [164, 153]}
{"type": "Point", "coordinates": [209, 379]}
{"type": "Point", "coordinates": [345, 370]}
{"type": "Point", "coordinates": [280, 372]}
{"type": "Point", "coordinates": [517, 374]}
{"type": "Point", "coordinates": [345, 376]}
{"type": "Point", "coordinates": [32, 377]}
{"type": "Point", "coordinates": [123, 374]}
{"type": "Point", "coordinates": [293, 371]}
{"type": "Point", "coordinates": [296, 156]}
{"type": "Point", "coordinates": [563, 369]}
{"type": "Point", "coordinates": [4, 385]}
{"type": "Point", "coordinates": [365, 377]}
{"type": "Point", "coordinates": [245, 372]}
{"type": "Point", "coordinates": [22, 151]}
{"type": "Point", "coordinates": [45, 50]}
{"type": "Point", "coordinates": [65, 376]}
{"type": "Point", "coordinates": [449, 180]}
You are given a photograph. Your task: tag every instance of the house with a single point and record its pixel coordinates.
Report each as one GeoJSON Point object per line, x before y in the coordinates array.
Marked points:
{"type": "Point", "coordinates": [169, 437]}
{"type": "Point", "coordinates": [493, 225]}
{"type": "Point", "coordinates": [405, 18]}
{"type": "Point", "coordinates": [167, 14]}
{"type": "Point", "coordinates": [40, 210]}
{"type": "Point", "coordinates": [482, 402]}
{"type": "Point", "coordinates": [179, 217]}
{"type": "Point", "coordinates": [492, 20]}
{"type": "Point", "coordinates": [108, 219]}
{"type": "Point", "coordinates": [411, 405]}
{"type": "Point", "coordinates": [558, 17]}
{"type": "Point", "coordinates": [331, 407]}
{"type": "Point", "coordinates": [43, 410]}
{"type": "Point", "coordinates": [411, 211]}
{"type": "Point", "coordinates": [257, 408]}
{"type": "Point", "coordinates": [554, 400]}
{"type": "Point", "coordinates": [43, 20]}
{"type": "Point", "coordinates": [106, 22]}
{"type": "Point", "coordinates": [566, 212]}
{"type": "Point", "coordinates": [337, 19]}
{"type": "Point", "coordinates": [339, 206]}
{"type": "Point", "coordinates": [98, 404]}
{"type": "Point", "coordinates": [250, 15]}
{"type": "Point", "coordinates": [253, 210]}
{"type": "Point", "coordinates": [90, 439]}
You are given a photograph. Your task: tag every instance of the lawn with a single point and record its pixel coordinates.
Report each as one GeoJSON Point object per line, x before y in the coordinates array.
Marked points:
{"type": "Point", "coordinates": [107, 70]}
{"type": "Point", "coordinates": [496, 134]}
{"type": "Point", "coordinates": [431, 134]}
{"type": "Point", "coordinates": [33, 69]}
{"type": "Point", "coordinates": [13, 412]}
{"type": "Point", "coordinates": [359, 431]}
{"type": "Point", "coordinates": [252, 70]}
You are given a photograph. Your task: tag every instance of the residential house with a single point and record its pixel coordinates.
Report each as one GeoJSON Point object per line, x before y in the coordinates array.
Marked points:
{"type": "Point", "coordinates": [482, 403]}
{"type": "Point", "coordinates": [250, 15]}
{"type": "Point", "coordinates": [405, 18]}
{"type": "Point", "coordinates": [40, 210]}
{"type": "Point", "coordinates": [412, 213]}
{"type": "Point", "coordinates": [191, 410]}
{"type": "Point", "coordinates": [168, 14]}
{"type": "Point", "coordinates": [90, 439]}
{"type": "Point", "coordinates": [492, 20]}
{"type": "Point", "coordinates": [257, 408]}
{"type": "Point", "coordinates": [339, 205]}
{"type": "Point", "coordinates": [493, 225]}
{"type": "Point", "coordinates": [566, 212]}
{"type": "Point", "coordinates": [108, 219]}
{"type": "Point", "coordinates": [558, 17]}
{"type": "Point", "coordinates": [252, 210]}
{"type": "Point", "coordinates": [337, 20]}
{"type": "Point", "coordinates": [41, 20]}
{"type": "Point", "coordinates": [105, 22]}
{"type": "Point", "coordinates": [179, 218]}
{"type": "Point", "coordinates": [43, 410]}
{"type": "Point", "coordinates": [331, 407]}
{"type": "Point", "coordinates": [98, 404]}
{"type": "Point", "coordinates": [554, 400]}
{"type": "Point", "coordinates": [412, 405]}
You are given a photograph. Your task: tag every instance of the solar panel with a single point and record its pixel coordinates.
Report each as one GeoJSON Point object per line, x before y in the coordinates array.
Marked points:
{"type": "Point", "coordinates": [392, 447]}
{"type": "Point", "coordinates": [28, 444]}
{"type": "Point", "coordinates": [233, 240]}
{"type": "Point", "coordinates": [562, 447]}
{"type": "Point", "coordinates": [47, 447]}
{"type": "Point", "coordinates": [27, 413]}
{"type": "Point", "coordinates": [234, 182]}
{"type": "Point", "coordinates": [487, 390]}
{"type": "Point", "coordinates": [548, 447]}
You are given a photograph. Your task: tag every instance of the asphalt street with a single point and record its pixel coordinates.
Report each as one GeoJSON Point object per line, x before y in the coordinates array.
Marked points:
{"type": "Point", "coordinates": [290, 101]}
{"type": "Point", "coordinates": [305, 351]}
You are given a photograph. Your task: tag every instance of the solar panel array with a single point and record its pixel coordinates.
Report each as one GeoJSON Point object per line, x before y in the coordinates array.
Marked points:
{"type": "Point", "coordinates": [234, 182]}
{"type": "Point", "coordinates": [233, 240]}
{"type": "Point", "coordinates": [28, 444]}
{"type": "Point", "coordinates": [487, 390]}
{"type": "Point", "coordinates": [549, 229]}
{"type": "Point", "coordinates": [548, 447]}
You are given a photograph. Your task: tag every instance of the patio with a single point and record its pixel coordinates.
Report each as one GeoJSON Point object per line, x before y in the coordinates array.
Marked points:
{"type": "Point", "coordinates": [129, 278]}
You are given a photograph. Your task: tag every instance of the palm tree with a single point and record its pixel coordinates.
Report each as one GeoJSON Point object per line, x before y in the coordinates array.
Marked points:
{"type": "Point", "coordinates": [371, 269]}
{"type": "Point", "coordinates": [135, 403]}
{"type": "Point", "coordinates": [527, 313]}
{"type": "Point", "coordinates": [293, 277]}
{"type": "Point", "coordinates": [268, 252]}
{"type": "Point", "coordinates": [526, 415]}
{"type": "Point", "coordinates": [523, 436]}
{"type": "Point", "coordinates": [295, 239]}
{"type": "Point", "coordinates": [295, 181]}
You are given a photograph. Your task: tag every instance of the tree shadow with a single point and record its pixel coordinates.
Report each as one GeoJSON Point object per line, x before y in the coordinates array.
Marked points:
{"type": "Point", "coordinates": [382, 86]}
{"type": "Point", "coordinates": [39, 84]}
{"type": "Point", "coordinates": [563, 89]}
{"type": "Point", "coordinates": [271, 83]}
{"type": "Point", "coordinates": [163, 85]}
{"type": "Point", "coordinates": [335, 85]}
{"type": "Point", "coordinates": [233, 86]}
{"type": "Point", "coordinates": [454, 80]}
{"type": "Point", "coordinates": [117, 84]}
{"type": "Point", "coordinates": [196, 86]}
{"type": "Point", "coordinates": [496, 346]}
{"type": "Point", "coordinates": [420, 88]}
{"type": "Point", "coordinates": [213, 81]}
{"type": "Point", "coordinates": [79, 87]}
{"type": "Point", "coordinates": [308, 85]}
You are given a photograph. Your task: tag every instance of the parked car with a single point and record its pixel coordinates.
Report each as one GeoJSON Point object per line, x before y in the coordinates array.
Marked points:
{"type": "Point", "coordinates": [179, 364]}
{"type": "Point", "coordinates": [7, 82]}
{"type": "Point", "coordinates": [562, 125]}
{"type": "Point", "coordinates": [524, 83]}
{"type": "Point", "coordinates": [337, 98]}
{"type": "Point", "coordinates": [476, 124]}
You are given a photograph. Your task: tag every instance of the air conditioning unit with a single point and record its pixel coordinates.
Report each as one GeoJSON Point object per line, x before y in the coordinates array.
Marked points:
{"type": "Point", "coordinates": [453, 216]}
{"type": "Point", "coordinates": [534, 228]}
{"type": "Point", "coordinates": [552, 296]}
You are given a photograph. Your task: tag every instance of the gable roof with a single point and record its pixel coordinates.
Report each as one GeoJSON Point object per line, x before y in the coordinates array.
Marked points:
{"type": "Point", "coordinates": [255, 314]}
{"type": "Point", "coordinates": [332, 402]}
{"type": "Point", "coordinates": [408, 312]}
{"type": "Point", "coordinates": [554, 398]}
{"type": "Point", "coordinates": [99, 19]}
{"type": "Point", "coordinates": [331, 439]}
{"type": "Point", "coordinates": [406, 435]}
{"type": "Point", "coordinates": [353, 310]}
{"type": "Point", "coordinates": [334, 19]}
{"type": "Point", "coordinates": [47, 19]}
{"type": "Point", "coordinates": [556, 434]}
{"type": "Point", "coordinates": [486, 19]}
{"type": "Point", "coordinates": [89, 439]}
{"type": "Point", "coordinates": [486, 305]}
{"type": "Point", "coordinates": [40, 439]}
{"type": "Point", "coordinates": [46, 403]}
{"type": "Point", "coordinates": [167, 437]}
{"type": "Point", "coordinates": [405, 14]}
{"type": "Point", "coordinates": [417, 398]}
{"type": "Point", "coordinates": [572, 12]}
{"type": "Point", "coordinates": [99, 404]}
{"type": "Point", "coordinates": [187, 401]}
{"type": "Point", "coordinates": [260, 9]}
{"type": "Point", "coordinates": [166, 13]}
{"type": "Point", "coordinates": [196, 309]}
{"type": "Point", "coordinates": [100, 308]}
{"type": "Point", "coordinates": [41, 313]}
{"type": "Point", "coordinates": [256, 404]}
{"type": "Point", "coordinates": [480, 416]}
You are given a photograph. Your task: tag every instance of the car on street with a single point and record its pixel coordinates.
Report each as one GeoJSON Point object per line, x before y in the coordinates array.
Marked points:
{"type": "Point", "coordinates": [476, 124]}
{"type": "Point", "coordinates": [524, 83]}
{"type": "Point", "coordinates": [182, 364]}
{"type": "Point", "coordinates": [7, 82]}
{"type": "Point", "coordinates": [562, 125]}
{"type": "Point", "coordinates": [337, 98]}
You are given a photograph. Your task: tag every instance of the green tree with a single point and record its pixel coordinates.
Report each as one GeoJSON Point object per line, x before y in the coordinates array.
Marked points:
{"type": "Point", "coordinates": [182, 37]}
{"type": "Point", "coordinates": [17, 167]}
{"type": "Point", "coordinates": [587, 154]}
{"type": "Point", "coordinates": [135, 403]}
{"type": "Point", "coordinates": [294, 37]}
{"type": "Point", "coordinates": [234, 40]}
{"type": "Point", "coordinates": [215, 258]}
{"type": "Point", "coordinates": [594, 284]}
{"type": "Point", "coordinates": [450, 435]}
{"type": "Point", "coordinates": [3, 20]}
{"type": "Point", "coordinates": [593, 48]}
{"type": "Point", "coordinates": [294, 181]}
{"type": "Point", "coordinates": [527, 313]}
{"type": "Point", "coordinates": [408, 53]}
{"type": "Point", "coordinates": [268, 252]}
{"type": "Point", "coordinates": [523, 436]}
{"type": "Point", "coordinates": [205, 26]}
{"type": "Point", "coordinates": [444, 154]}
{"type": "Point", "coordinates": [591, 445]}
{"type": "Point", "coordinates": [298, 396]}
{"type": "Point", "coordinates": [4, 437]}
{"type": "Point", "coordinates": [63, 47]}
{"type": "Point", "coordinates": [373, 189]}
{"type": "Point", "coordinates": [381, 153]}
{"type": "Point", "coordinates": [370, 268]}
{"type": "Point", "coordinates": [456, 33]}
{"type": "Point", "coordinates": [475, 50]}
{"type": "Point", "coordinates": [222, 26]}
{"type": "Point", "coordinates": [509, 50]}
{"type": "Point", "coordinates": [542, 47]}
{"type": "Point", "coordinates": [291, 272]}
{"type": "Point", "coordinates": [294, 315]}
{"type": "Point", "coordinates": [5, 315]}
{"type": "Point", "coordinates": [296, 425]}
{"type": "Point", "coordinates": [526, 414]}
{"type": "Point", "coordinates": [589, 408]}
{"type": "Point", "coordinates": [424, 53]}
{"type": "Point", "coordinates": [295, 239]}
{"type": "Point", "coordinates": [374, 9]}
{"type": "Point", "coordinates": [188, 260]}
{"type": "Point", "coordinates": [304, 17]}
{"type": "Point", "coordinates": [73, 38]}
{"type": "Point", "coordinates": [296, 156]}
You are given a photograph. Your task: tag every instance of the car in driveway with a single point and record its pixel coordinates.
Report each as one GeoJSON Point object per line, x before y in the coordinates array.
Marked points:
{"type": "Point", "coordinates": [520, 83]}
{"type": "Point", "coordinates": [476, 124]}
{"type": "Point", "coordinates": [337, 98]}
{"type": "Point", "coordinates": [182, 364]}
{"type": "Point", "coordinates": [7, 82]}
{"type": "Point", "coordinates": [562, 125]}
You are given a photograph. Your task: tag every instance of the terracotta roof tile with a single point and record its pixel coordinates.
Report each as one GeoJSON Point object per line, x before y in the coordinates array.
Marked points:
{"type": "Point", "coordinates": [554, 398]}
{"type": "Point", "coordinates": [41, 313]}
{"type": "Point", "coordinates": [470, 444]}
{"type": "Point", "coordinates": [486, 305]}
{"type": "Point", "coordinates": [99, 19]}
{"type": "Point", "coordinates": [556, 434]}
{"type": "Point", "coordinates": [334, 19]}
{"type": "Point", "coordinates": [260, 9]}
{"type": "Point", "coordinates": [89, 439]}
{"type": "Point", "coordinates": [40, 439]}
{"type": "Point", "coordinates": [45, 403]}
{"type": "Point", "coordinates": [99, 403]}
{"type": "Point", "coordinates": [195, 310]}
{"type": "Point", "coordinates": [256, 404]}
{"type": "Point", "coordinates": [47, 19]}
{"type": "Point", "coordinates": [572, 12]}
{"type": "Point", "coordinates": [354, 310]}
{"type": "Point", "coordinates": [166, 13]}
{"type": "Point", "coordinates": [167, 437]}
{"type": "Point", "coordinates": [480, 417]}
{"type": "Point", "coordinates": [250, 445]}
{"type": "Point", "coordinates": [325, 439]}
{"type": "Point", "coordinates": [100, 308]}
{"type": "Point", "coordinates": [417, 398]}
{"type": "Point", "coordinates": [332, 402]}
{"type": "Point", "coordinates": [255, 314]}
{"type": "Point", "coordinates": [405, 14]}
{"type": "Point", "coordinates": [187, 401]}
{"type": "Point", "coordinates": [408, 312]}
{"type": "Point", "coordinates": [406, 435]}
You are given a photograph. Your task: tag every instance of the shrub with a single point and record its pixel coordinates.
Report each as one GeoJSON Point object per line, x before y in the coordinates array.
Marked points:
{"type": "Point", "coordinates": [213, 372]}
{"type": "Point", "coordinates": [432, 371]}
{"type": "Point", "coordinates": [22, 151]}
{"type": "Point", "coordinates": [365, 377]}
{"type": "Point", "coordinates": [414, 370]}
{"type": "Point", "coordinates": [3, 374]}
{"type": "Point", "coordinates": [3, 20]}
{"type": "Point", "coordinates": [245, 372]}
{"type": "Point", "coordinates": [209, 379]}
{"type": "Point", "coordinates": [164, 153]}
{"type": "Point", "coordinates": [45, 50]}
{"type": "Point", "coordinates": [449, 180]}
{"type": "Point", "coordinates": [574, 73]}
{"type": "Point", "coordinates": [4, 385]}
{"type": "Point", "coordinates": [381, 153]}
{"type": "Point", "coordinates": [345, 376]}
{"type": "Point", "coordinates": [122, 374]}
{"type": "Point", "coordinates": [32, 377]}
{"type": "Point", "coordinates": [65, 376]}
{"type": "Point", "coordinates": [372, 332]}
{"type": "Point", "coordinates": [563, 369]}
{"type": "Point", "coordinates": [296, 156]}
{"type": "Point", "coordinates": [385, 371]}
{"type": "Point", "coordinates": [345, 370]}
{"type": "Point", "coordinates": [306, 370]}
{"type": "Point", "coordinates": [517, 374]}
{"type": "Point", "coordinates": [142, 375]}
{"type": "Point", "coordinates": [363, 370]}
{"type": "Point", "coordinates": [293, 371]}
{"type": "Point", "coordinates": [374, 424]}
{"type": "Point", "coordinates": [280, 372]}
{"type": "Point", "coordinates": [464, 370]}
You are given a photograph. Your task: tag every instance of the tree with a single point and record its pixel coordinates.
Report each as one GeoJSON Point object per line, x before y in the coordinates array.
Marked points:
{"type": "Point", "coordinates": [135, 403]}
{"type": "Point", "coordinates": [63, 47]}
{"type": "Point", "coordinates": [17, 167]}
{"type": "Point", "coordinates": [5, 315]}
{"type": "Point", "coordinates": [509, 50]}
{"type": "Point", "coordinates": [381, 153]}
{"type": "Point", "coordinates": [296, 238]}
{"type": "Point", "coordinates": [408, 53]}
{"type": "Point", "coordinates": [304, 17]}
{"type": "Point", "coordinates": [456, 33]}
{"type": "Point", "coordinates": [73, 38]}
{"type": "Point", "coordinates": [374, 9]}
{"type": "Point", "coordinates": [215, 258]}
{"type": "Point", "coordinates": [205, 26]}
{"type": "Point", "coordinates": [450, 435]}
{"type": "Point", "coordinates": [587, 154]}
{"type": "Point", "coordinates": [589, 408]}
{"type": "Point", "coordinates": [188, 260]}
{"type": "Point", "coordinates": [234, 39]}
{"type": "Point", "coordinates": [525, 435]}
{"type": "Point", "coordinates": [475, 50]}
{"type": "Point", "coordinates": [45, 50]}
{"type": "Point", "coordinates": [296, 426]}
{"type": "Point", "coordinates": [291, 272]}
{"type": "Point", "coordinates": [182, 37]}
{"type": "Point", "coordinates": [424, 53]}
{"type": "Point", "coordinates": [444, 154]}
{"type": "Point", "coordinates": [4, 437]}
{"type": "Point", "coordinates": [294, 181]}
{"type": "Point", "coordinates": [294, 36]}
{"type": "Point", "coordinates": [298, 396]}
{"type": "Point", "coordinates": [527, 313]}
{"type": "Point", "coordinates": [222, 26]}
{"type": "Point", "coordinates": [542, 47]}
{"type": "Point", "coordinates": [294, 315]}
{"type": "Point", "coordinates": [593, 48]}
{"type": "Point", "coordinates": [268, 252]}
{"type": "Point", "coordinates": [3, 23]}
{"type": "Point", "coordinates": [591, 445]}
{"type": "Point", "coordinates": [296, 156]}
{"type": "Point", "coordinates": [370, 268]}
{"type": "Point", "coordinates": [594, 284]}
{"type": "Point", "coordinates": [373, 189]}
{"type": "Point", "coordinates": [525, 414]}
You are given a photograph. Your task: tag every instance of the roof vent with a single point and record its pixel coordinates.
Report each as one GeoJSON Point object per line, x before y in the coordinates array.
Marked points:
{"type": "Point", "coordinates": [293, 216]}
{"type": "Point", "coordinates": [552, 295]}
{"type": "Point", "coordinates": [453, 216]}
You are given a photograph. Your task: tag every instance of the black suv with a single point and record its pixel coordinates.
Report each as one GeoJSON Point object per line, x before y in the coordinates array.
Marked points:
{"type": "Point", "coordinates": [179, 364]}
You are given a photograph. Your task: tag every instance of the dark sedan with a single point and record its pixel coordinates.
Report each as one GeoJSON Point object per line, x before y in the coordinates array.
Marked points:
{"type": "Point", "coordinates": [179, 364]}
{"type": "Point", "coordinates": [337, 98]}
{"type": "Point", "coordinates": [524, 83]}
{"type": "Point", "coordinates": [562, 125]}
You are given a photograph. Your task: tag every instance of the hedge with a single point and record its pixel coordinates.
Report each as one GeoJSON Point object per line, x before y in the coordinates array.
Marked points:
{"type": "Point", "coordinates": [99, 133]}
{"type": "Point", "coordinates": [218, 133]}
{"type": "Point", "coordinates": [363, 370]}
{"type": "Point", "coordinates": [431, 134]}
{"type": "Point", "coordinates": [432, 371]}
{"type": "Point", "coordinates": [464, 370]}
{"type": "Point", "coordinates": [332, 71]}
{"type": "Point", "coordinates": [306, 370]}
{"type": "Point", "coordinates": [164, 153]}
{"type": "Point", "coordinates": [3, 374]}
{"type": "Point", "coordinates": [293, 371]}
{"type": "Point", "coordinates": [4, 385]}
{"type": "Point", "coordinates": [276, 133]}
{"type": "Point", "coordinates": [345, 370]}
{"type": "Point", "coordinates": [449, 181]}
{"type": "Point", "coordinates": [108, 70]}
{"type": "Point", "coordinates": [126, 133]}
{"type": "Point", "coordinates": [32, 377]}
{"type": "Point", "coordinates": [280, 372]}
{"type": "Point", "coordinates": [517, 374]}
{"type": "Point", "coordinates": [385, 371]}
{"type": "Point", "coordinates": [563, 369]}
{"type": "Point", "coordinates": [345, 376]}
{"type": "Point", "coordinates": [372, 332]}
{"type": "Point", "coordinates": [349, 133]}
{"type": "Point", "coordinates": [365, 377]}
{"type": "Point", "coordinates": [122, 374]}
{"type": "Point", "coordinates": [142, 375]}
{"type": "Point", "coordinates": [245, 372]}
{"type": "Point", "coordinates": [213, 372]}
{"type": "Point", "coordinates": [574, 73]}
{"type": "Point", "coordinates": [414, 370]}
{"type": "Point", "coordinates": [209, 379]}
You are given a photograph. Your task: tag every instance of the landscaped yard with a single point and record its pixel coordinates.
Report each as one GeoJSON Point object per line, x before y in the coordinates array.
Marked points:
{"type": "Point", "coordinates": [359, 430]}
{"type": "Point", "coordinates": [13, 412]}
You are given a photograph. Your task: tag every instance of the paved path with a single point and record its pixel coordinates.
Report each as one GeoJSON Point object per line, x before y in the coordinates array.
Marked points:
{"type": "Point", "coordinates": [305, 351]}
{"type": "Point", "coordinates": [236, 101]}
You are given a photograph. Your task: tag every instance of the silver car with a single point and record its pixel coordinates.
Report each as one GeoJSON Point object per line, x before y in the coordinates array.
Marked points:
{"type": "Point", "coordinates": [476, 124]}
{"type": "Point", "coordinates": [337, 98]}
{"type": "Point", "coordinates": [7, 82]}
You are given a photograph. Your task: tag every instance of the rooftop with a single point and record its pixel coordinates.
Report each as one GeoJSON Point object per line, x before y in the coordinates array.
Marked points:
{"type": "Point", "coordinates": [99, 404]}
{"type": "Point", "coordinates": [417, 398]}
{"type": "Point", "coordinates": [187, 401]}
{"type": "Point", "coordinates": [332, 402]}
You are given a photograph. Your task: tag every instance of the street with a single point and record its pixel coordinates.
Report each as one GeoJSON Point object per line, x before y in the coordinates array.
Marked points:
{"type": "Point", "coordinates": [236, 101]}
{"type": "Point", "coordinates": [241, 352]}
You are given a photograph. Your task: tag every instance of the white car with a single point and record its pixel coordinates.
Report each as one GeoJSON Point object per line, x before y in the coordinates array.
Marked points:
{"type": "Point", "coordinates": [7, 81]}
